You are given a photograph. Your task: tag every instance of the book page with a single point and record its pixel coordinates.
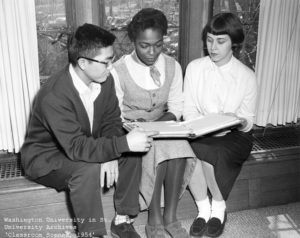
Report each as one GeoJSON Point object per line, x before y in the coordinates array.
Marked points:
{"type": "Point", "coordinates": [164, 128]}
{"type": "Point", "coordinates": [193, 128]}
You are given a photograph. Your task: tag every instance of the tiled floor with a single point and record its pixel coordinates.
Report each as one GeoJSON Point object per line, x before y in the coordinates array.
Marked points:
{"type": "Point", "coordinates": [268, 222]}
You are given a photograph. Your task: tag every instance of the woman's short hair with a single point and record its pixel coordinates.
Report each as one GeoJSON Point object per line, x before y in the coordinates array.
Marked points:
{"type": "Point", "coordinates": [145, 19]}
{"type": "Point", "coordinates": [87, 40]}
{"type": "Point", "coordinates": [225, 23]}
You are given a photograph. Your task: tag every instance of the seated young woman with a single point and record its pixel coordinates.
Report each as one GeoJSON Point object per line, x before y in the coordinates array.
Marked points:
{"type": "Point", "coordinates": [219, 83]}
{"type": "Point", "coordinates": [149, 88]}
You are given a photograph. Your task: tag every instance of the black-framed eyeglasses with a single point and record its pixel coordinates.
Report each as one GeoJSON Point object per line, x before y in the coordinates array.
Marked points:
{"type": "Point", "coordinates": [106, 64]}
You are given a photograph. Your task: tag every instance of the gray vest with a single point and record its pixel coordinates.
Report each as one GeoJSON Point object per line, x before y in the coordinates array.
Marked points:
{"type": "Point", "coordinates": [142, 103]}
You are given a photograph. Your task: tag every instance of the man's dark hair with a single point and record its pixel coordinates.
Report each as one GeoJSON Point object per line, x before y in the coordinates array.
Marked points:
{"type": "Point", "coordinates": [145, 19]}
{"type": "Point", "coordinates": [87, 40]}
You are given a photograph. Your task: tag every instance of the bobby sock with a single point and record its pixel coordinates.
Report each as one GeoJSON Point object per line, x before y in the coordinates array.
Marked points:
{"type": "Point", "coordinates": [204, 209]}
{"type": "Point", "coordinates": [122, 219]}
{"type": "Point", "coordinates": [218, 209]}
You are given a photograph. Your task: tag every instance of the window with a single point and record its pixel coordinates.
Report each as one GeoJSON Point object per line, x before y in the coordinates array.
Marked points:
{"type": "Point", "coordinates": [53, 29]}
{"type": "Point", "coordinates": [52, 33]}
{"type": "Point", "coordinates": [248, 12]}
{"type": "Point", "coordinates": [119, 14]}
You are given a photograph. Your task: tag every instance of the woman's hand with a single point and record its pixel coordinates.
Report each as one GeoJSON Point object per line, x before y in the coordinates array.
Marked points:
{"type": "Point", "coordinates": [243, 120]}
{"type": "Point", "coordinates": [230, 114]}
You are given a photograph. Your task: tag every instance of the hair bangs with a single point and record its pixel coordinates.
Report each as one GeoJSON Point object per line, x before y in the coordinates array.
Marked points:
{"type": "Point", "coordinates": [218, 27]}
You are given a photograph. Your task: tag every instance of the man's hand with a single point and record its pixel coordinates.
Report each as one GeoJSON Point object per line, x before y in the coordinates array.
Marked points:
{"type": "Point", "coordinates": [140, 140]}
{"type": "Point", "coordinates": [111, 170]}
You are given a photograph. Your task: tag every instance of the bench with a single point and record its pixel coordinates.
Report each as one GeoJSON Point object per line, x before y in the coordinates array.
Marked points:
{"type": "Point", "coordinates": [270, 177]}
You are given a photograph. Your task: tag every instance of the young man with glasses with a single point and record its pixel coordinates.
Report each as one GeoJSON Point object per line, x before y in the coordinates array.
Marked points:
{"type": "Point", "coordinates": [75, 136]}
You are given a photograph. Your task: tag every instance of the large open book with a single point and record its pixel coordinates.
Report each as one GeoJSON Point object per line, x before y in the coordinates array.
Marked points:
{"type": "Point", "coordinates": [188, 129]}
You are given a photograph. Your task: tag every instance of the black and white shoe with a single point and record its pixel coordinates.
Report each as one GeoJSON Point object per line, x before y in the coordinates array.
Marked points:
{"type": "Point", "coordinates": [198, 227]}
{"type": "Point", "coordinates": [214, 226]}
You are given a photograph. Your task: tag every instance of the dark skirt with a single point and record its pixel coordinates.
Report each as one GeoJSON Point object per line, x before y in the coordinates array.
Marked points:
{"type": "Point", "coordinates": [226, 153]}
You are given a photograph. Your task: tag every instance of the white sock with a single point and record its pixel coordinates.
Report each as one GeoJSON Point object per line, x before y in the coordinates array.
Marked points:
{"type": "Point", "coordinates": [122, 219]}
{"type": "Point", "coordinates": [204, 209]}
{"type": "Point", "coordinates": [218, 209]}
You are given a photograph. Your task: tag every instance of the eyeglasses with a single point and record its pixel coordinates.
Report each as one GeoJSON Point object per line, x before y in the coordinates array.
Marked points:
{"type": "Point", "coordinates": [106, 64]}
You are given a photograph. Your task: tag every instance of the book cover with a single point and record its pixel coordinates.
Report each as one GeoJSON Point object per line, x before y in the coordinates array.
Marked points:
{"type": "Point", "coordinates": [187, 129]}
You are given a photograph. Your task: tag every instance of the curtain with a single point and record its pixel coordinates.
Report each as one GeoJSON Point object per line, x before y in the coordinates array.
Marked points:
{"type": "Point", "coordinates": [278, 62]}
{"type": "Point", "coordinates": [19, 73]}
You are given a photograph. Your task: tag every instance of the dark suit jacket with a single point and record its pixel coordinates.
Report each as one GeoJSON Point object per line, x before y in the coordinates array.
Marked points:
{"type": "Point", "coordinates": [59, 127]}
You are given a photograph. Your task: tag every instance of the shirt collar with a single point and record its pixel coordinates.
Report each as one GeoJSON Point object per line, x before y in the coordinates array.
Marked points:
{"type": "Point", "coordinates": [226, 66]}
{"type": "Point", "coordinates": [80, 86]}
{"type": "Point", "coordinates": [137, 60]}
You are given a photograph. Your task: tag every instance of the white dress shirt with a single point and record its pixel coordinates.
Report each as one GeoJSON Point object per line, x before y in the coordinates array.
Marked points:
{"type": "Point", "coordinates": [212, 89]}
{"type": "Point", "coordinates": [141, 76]}
{"type": "Point", "coordinates": [88, 94]}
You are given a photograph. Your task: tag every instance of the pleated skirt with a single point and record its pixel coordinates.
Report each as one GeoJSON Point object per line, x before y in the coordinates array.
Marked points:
{"type": "Point", "coordinates": [162, 150]}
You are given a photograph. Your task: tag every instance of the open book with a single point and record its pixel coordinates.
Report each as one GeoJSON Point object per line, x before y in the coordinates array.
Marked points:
{"type": "Point", "coordinates": [188, 129]}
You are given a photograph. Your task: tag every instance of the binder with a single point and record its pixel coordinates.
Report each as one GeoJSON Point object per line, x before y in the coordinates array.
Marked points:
{"type": "Point", "coordinates": [187, 129]}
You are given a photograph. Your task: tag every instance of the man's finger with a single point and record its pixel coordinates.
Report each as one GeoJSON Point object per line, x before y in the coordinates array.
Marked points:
{"type": "Point", "coordinates": [108, 179]}
{"type": "Point", "coordinates": [102, 177]}
{"type": "Point", "coordinates": [112, 179]}
{"type": "Point", "coordinates": [117, 174]}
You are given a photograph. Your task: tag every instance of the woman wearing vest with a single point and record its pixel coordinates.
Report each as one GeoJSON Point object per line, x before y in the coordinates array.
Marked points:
{"type": "Point", "coordinates": [149, 87]}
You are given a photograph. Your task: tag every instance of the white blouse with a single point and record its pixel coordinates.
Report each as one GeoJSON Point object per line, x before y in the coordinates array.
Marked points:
{"type": "Point", "coordinates": [212, 89]}
{"type": "Point", "coordinates": [141, 76]}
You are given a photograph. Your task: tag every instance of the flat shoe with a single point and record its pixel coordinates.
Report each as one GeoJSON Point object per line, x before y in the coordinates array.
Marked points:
{"type": "Point", "coordinates": [215, 227]}
{"type": "Point", "coordinates": [175, 230]}
{"type": "Point", "coordinates": [198, 227]}
{"type": "Point", "coordinates": [123, 230]}
{"type": "Point", "coordinates": [156, 231]}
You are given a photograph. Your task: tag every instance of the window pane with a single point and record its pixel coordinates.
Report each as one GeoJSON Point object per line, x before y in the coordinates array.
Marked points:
{"type": "Point", "coordinates": [248, 12]}
{"type": "Point", "coordinates": [120, 12]}
{"type": "Point", "coordinates": [53, 30]}
{"type": "Point", "coordinates": [52, 35]}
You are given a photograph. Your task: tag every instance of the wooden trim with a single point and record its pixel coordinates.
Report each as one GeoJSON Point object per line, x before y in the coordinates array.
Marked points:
{"type": "Point", "coordinates": [194, 15]}
{"type": "Point", "coordinates": [79, 12]}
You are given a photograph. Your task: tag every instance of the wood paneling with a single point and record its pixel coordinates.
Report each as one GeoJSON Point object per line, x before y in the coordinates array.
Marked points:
{"type": "Point", "coordinates": [194, 15]}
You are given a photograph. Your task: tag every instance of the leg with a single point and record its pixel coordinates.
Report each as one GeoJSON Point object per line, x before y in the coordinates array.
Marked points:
{"type": "Point", "coordinates": [217, 221]}
{"type": "Point", "coordinates": [198, 187]}
{"type": "Point", "coordinates": [223, 158]}
{"type": "Point", "coordinates": [154, 227]}
{"type": "Point", "coordinates": [126, 197]}
{"type": "Point", "coordinates": [82, 179]}
{"type": "Point", "coordinates": [172, 186]}
{"type": "Point", "coordinates": [154, 213]}
{"type": "Point", "coordinates": [210, 178]}
{"type": "Point", "coordinates": [218, 203]}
